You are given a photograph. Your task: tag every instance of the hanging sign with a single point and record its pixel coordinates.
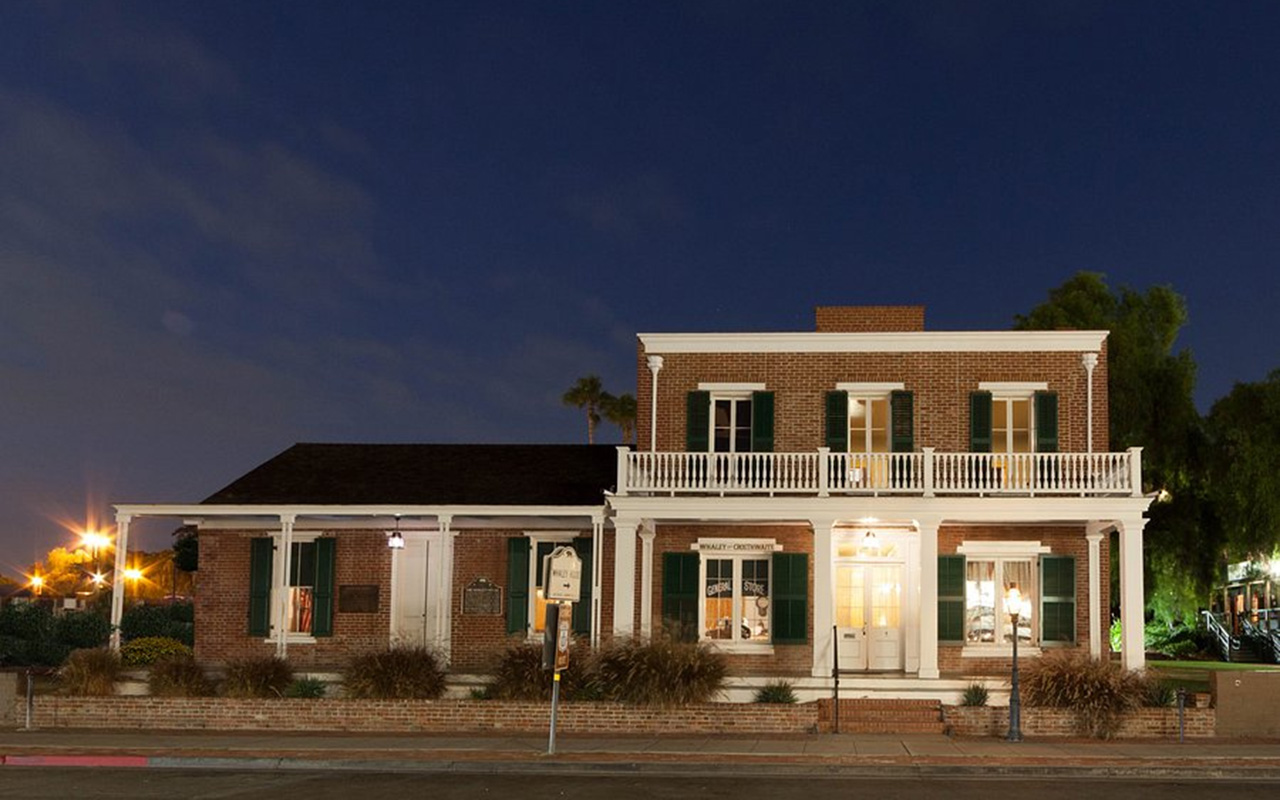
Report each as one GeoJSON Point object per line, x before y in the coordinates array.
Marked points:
{"type": "Point", "coordinates": [562, 575]}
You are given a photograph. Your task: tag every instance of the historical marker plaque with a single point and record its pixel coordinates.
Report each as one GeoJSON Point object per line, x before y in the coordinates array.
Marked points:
{"type": "Point", "coordinates": [481, 597]}
{"type": "Point", "coordinates": [358, 599]}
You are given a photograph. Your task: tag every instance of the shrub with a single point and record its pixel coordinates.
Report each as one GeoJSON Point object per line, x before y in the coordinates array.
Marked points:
{"type": "Point", "coordinates": [1098, 690]}
{"type": "Point", "coordinates": [82, 629]}
{"type": "Point", "coordinates": [975, 694]}
{"type": "Point", "coordinates": [776, 692]}
{"type": "Point", "coordinates": [519, 675]}
{"type": "Point", "coordinates": [90, 672]}
{"type": "Point", "coordinates": [179, 676]}
{"type": "Point", "coordinates": [173, 621]}
{"type": "Point", "coordinates": [26, 621]}
{"type": "Point", "coordinates": [257, 677]}
{"type": "Point", "coordinates": [309, 688]}
{"type": "Point", "coordinates": [150, 649]}
{"type": "Point", "coordinates": [400, 673]}
{"type": "Point", "coordinates": [1159, 694]}
{"type": "Point", "coordinates": [661, 671]}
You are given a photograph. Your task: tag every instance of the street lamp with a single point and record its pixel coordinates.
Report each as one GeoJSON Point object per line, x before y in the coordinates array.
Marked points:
{"type": "Point", "coordinates": [37, 583]}
{"type": "Point", "coordinates": [1013, 605]}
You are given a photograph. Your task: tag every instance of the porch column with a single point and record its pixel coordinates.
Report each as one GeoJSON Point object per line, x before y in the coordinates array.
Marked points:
{"type": "Point", "coordinates": [281, 585]}
{"type": "Point", "coordinates": [823, 596]}
{"type": "Point", "coordinates": [655, 366]}
{"type": "Point", "coordinates": [444, 605]}
{"type": "Point", "coordinates": [1094, 535]}
{"type": "Point", "coordinates": [1132, 654]}
{"type": "Point", "coordinates": [1090, 361]}
{"type": "Point", "coordinates": [624, 577]}
{"type": "Point", "coordinates": [117, 578]}
{"type": "Point", "coordinates": [928, 596]}
{"type": "Point", "coordinates": [646, 581]}
{"type": "Point", "coordinates": [597, 573]}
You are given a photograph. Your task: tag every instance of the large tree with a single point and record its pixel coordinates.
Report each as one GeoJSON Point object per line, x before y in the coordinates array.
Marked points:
{"type": "Point", "coordinates": [1244, 477]}
{"type": "Point", "coordinates": [1150, 392]}
{"type": "Point", "coordinates": [588, 394]}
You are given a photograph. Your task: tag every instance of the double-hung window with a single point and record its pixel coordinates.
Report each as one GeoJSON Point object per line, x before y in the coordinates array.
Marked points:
{"type": "Point", "coordinates": [526, 603]}
{"type": "Point", "coordinates": [304, 591]}
{"type": "Point", "coordinates": [729, 418]}
{"type": "Point", "coordinates": [989, 569]}
{"type": "Point", "coordinates": [731, 424]}
{"type": "Point", "coordinates": [987, 583]}
{"type": "Point", "coordinates": [736, 598]}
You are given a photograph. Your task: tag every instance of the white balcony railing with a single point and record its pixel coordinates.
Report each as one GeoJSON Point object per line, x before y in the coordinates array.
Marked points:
{"type": "Point", "coordinates": [927, 473]}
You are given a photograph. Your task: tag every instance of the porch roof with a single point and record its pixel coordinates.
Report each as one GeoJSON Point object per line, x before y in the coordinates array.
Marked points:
{"type": "Point", "coordinates": [428, 475]}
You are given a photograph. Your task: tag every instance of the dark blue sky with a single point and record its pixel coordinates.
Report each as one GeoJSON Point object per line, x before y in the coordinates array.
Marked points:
{"type": "Point", "coordinates": [226, 227]}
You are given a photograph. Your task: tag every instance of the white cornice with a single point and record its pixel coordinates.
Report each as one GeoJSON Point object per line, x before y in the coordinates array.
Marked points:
{"type": "Point", "coordinates": [906, 342]}
{"type": "Point", "coordinates": [339, 512]}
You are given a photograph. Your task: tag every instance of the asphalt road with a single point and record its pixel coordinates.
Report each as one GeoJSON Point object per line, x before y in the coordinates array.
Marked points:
{"type": "Point", "coordinates": [33, 783]}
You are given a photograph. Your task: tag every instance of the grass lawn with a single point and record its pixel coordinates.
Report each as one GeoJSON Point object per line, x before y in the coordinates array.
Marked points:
{"type": "Point", "coordinates": [1194, 676]}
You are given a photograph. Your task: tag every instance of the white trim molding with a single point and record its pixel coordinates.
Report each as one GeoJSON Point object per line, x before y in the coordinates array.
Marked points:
{"type": "Point", "coordinates": [870, 388]}
{"type": "Point", "coordinates": [731, 387]}
{"type": "Point", "coordinates": [901, 342]}
{"type": "Point", "coordinates": [1013, 387]}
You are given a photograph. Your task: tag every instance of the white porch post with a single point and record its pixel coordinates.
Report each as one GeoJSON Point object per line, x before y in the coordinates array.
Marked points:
{"type": "Point", "coordinates": [1132, 653]}
{"type": "Point", "coordinates": [1090, 361]}
{"type": "Point", "coordinates": [1094, 536]}
{"type": "Point", "coordinates": [281, 585]}
{"type": "Point", "coordinates": [646, 581]}
{"type": "Point", "coordinates": [624, 577]}
{"type": "Point", "coordinates": [117, 578]}
{"type": "Point", "coordinates": [597, 571]}
{"type": "Point", "coordinates": [444, 605]}
{"type": "Point", "coordinates": [928, 597]}
{"type": "Point", "coordinates": [823, 596]}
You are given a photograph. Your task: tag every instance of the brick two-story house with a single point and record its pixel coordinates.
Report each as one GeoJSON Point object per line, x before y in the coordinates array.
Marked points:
{"type": "Point", "coordinates": [861, 495]}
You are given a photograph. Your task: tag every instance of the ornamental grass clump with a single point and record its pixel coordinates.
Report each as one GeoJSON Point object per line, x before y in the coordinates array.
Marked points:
{"type": "Point", "coordinates": [660, 672]}
{"type": "Point", "coordinates": [257, 677]}
{"type": "Point", "coordinates": [150, 649]}
{"type": "Point", "coordinates": [519, 675]}
{"type": "Point", "coordinates": [401, 673]}
{"type": "Point", "coordinates": [179, 676]}
{"type": "Point", "coordinates": [776, 692]}
{"type": "Point", "coordinates": [975, 695]}
{"type": "Point", "coordinates": [306, 688]}
{"type": "Point", "coordinates": [91, 672]}
{"type": "Point", "coordinates": [1099, 691]}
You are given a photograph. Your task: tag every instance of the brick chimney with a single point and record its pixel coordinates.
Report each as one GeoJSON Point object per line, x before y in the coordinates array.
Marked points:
{"type": "Point", "coordinates": [869, 319]}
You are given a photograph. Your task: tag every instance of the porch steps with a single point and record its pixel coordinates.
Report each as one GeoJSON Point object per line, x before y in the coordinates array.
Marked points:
{"type": "Point", "coordinates": [865, 715]}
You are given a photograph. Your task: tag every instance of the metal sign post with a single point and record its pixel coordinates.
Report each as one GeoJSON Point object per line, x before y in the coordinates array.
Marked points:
{"type": "Point", "coordinates": [564, 623]}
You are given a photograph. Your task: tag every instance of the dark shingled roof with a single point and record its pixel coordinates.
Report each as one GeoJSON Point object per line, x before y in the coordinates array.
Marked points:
{"type": "Point", "coordinates": [429, 474]}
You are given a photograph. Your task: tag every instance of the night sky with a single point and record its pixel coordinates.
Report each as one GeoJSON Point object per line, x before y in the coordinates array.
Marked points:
{"type": "Point", "coordinates": [226, 227]}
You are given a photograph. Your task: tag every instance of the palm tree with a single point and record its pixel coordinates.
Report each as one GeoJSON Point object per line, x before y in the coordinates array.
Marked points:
{"type": "Point", "coordinates": [621, 411]}
{"type": "Point", "coordinates": [589, 394]}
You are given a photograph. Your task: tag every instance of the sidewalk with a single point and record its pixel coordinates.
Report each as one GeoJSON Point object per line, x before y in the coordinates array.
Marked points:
{"type": "Point", "coordinates": [879, 755]}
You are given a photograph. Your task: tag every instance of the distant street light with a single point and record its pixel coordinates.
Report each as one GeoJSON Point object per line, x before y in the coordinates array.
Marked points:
{"type": "Point", "coordinates": [37, 583]}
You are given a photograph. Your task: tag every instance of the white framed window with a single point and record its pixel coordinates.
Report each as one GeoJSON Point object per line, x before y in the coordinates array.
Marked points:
{"type": "Point", "coordinates": [1013, 416]}
{"type": "Point", "coordinates": [297, 590]}
{"type": "Point", "coordinates": [869, 416]}
{"type": "Point", "coordinates": [991, 568]}
{"type": "Point", "coordinates": [736, 586]}
{"type": "Point", "coordinates": [541, 544]}
{"type": "Point", "coordinates": [731, 422]}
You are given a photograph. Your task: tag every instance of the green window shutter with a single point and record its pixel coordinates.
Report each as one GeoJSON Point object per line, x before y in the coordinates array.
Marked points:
{"type": "Point", "coordinates": [902, 422]}
{"type": "Point", "coordinates": [1057, 599]}
{"type": "Point", "coordinates": [582, 608]}
{"type": "Point", "coordinates": [517, 585]}
{"type": "Point", "coordinates": [697, 432]}
{"type": "Point", "coordinates": [951, 598]}
{"type": "Point", "coordinates": [838, 422]}
{"type": "Point", "coordinates": [790, 602]}
{"type": "Point", "coordinates": [1046, 422]}
{"type": "Point", "coordinates": [260, 553]}
{"type": "Point", "coordinates": [980, 422]}
{"type": "Point", "coordinates": [680, 594]}
{"type": "Point", "coordinates": [326, 550]}
{"type": "Point", "coordinates": [762, 422]}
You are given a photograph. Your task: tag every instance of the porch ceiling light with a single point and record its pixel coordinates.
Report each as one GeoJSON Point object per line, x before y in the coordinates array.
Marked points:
{"type": "Point", "coordinates": [396, 541]}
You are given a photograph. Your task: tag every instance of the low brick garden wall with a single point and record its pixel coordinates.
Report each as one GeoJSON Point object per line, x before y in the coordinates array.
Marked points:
{"type": "Point", "coordinates": [491, 716]}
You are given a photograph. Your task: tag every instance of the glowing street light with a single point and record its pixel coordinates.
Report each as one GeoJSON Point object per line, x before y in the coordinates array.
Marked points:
{"type": "Point", "coordinates": [1013, 605]}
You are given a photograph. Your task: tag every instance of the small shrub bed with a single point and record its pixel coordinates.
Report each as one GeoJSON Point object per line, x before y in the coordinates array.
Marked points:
{"type": "Point", "coordinates": [975, 694]}
{"type": "Point", "coordinates": [306, 688]}
{"type": "Point", "coordinates": [150, 649]}
{"type": "Point", "coordinates": [400, 673]}
{"type": "Point", "coordinates": [660, 672]}
{"type": "Point", "coordinates": [1098, 690]}
{"type": "Point", "coordinates": [257, 677]}
{"type": "Point", "coordinates": [519, 675]}
{"type": "Point", "coordinates": [179, 676]}
{"type": "Point", "coordinates": [776, 692]}
{"type": "Point", "coordinates": [90, 672]}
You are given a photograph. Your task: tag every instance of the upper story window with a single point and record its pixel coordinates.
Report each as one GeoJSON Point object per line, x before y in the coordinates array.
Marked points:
{"type": "Point", "coordinates": [868, 424]}
{"type": "Point", "coordinates": [729, 418]}
{"type": "Point", "coordinates": [1013, 418]}
{"type": "Point", "coordinates": [870, 418]}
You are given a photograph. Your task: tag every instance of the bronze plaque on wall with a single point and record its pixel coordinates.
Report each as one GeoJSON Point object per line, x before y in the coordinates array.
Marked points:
{"type": "Point", "coordinates": [358, 599]}
{"type": "Point", "coordinates": [481, 597]}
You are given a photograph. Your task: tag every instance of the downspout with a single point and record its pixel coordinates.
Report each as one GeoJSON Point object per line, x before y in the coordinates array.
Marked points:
{"type": "Point", "coordinates": [1090, 360]}
{"type": "Point", "coordinates": [655, 366]}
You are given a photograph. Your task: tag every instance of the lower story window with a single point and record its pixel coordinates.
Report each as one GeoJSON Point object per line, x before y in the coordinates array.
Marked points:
{"type": "Point", "coordinates": [736, 599]}
{"type": "Point", "coordinates": [987, 582]}
{"type": "Point", "coordinates": [302, 587]}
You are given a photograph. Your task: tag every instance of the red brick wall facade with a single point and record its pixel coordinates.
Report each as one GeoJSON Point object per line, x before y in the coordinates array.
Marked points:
{"type": "Point", "coordinates": [941, 383]}
{"type": "Point", "coordinates": [222, 605]}
{"type": "Point", "coordinates": [868, 319]}
{"type": "Point", "coordinates": [1062, 541]}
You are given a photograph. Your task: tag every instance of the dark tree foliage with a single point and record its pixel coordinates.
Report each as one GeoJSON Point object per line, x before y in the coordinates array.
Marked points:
{"type": "Point", "coordinates": [1244, 472]}
{"type": "Point", "coordinates": [186, 549]}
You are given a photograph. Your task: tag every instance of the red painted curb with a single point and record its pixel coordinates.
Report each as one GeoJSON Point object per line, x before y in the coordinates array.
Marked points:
{"type": "Point", "coordinates": [74, 761]}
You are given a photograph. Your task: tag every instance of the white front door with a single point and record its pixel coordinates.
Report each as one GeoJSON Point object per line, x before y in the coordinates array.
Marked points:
{"type": "Point", "coordinates": [869, 615]}
{"type": "Point", "coordinates": [413, 603]}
